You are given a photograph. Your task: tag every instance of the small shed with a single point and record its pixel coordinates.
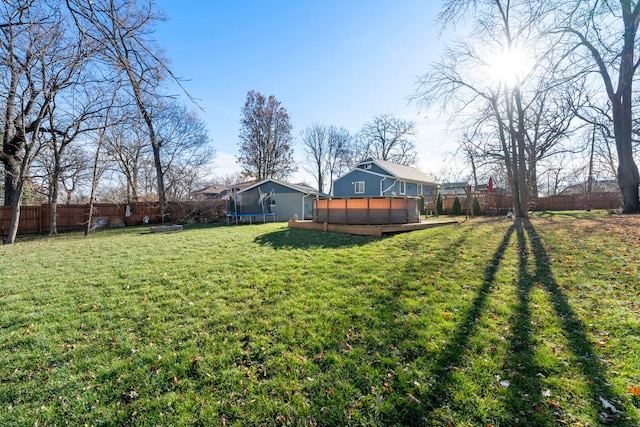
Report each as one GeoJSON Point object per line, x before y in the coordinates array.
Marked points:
{"type": "Point", "coordinates": [281, 199]}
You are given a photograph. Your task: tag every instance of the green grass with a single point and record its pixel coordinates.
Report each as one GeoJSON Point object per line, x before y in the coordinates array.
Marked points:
{"type": "Point", "coordinates": [491, 322]}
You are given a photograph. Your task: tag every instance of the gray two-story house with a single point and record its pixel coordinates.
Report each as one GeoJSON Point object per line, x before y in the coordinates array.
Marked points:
{"type": "Point", "coordinates": [379, 178]}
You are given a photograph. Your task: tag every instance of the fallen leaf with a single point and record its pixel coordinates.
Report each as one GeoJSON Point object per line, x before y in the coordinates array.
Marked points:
{"type": "Point", "coordinates": [131, 394]}
{"type": "Point", "coordinates": [505, 383]}
{"type": "Point", "coordinates": [412, 398]}
{"type": "Point", "coordinates": [634, 390]}
{"type": "Point", "coordinates": [345, 347]}
{"type": "Point", "coordinates": [608, 405]}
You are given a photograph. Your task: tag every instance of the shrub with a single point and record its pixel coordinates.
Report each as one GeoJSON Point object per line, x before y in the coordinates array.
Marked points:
{"type": "Point", "coordinates": [439, 207]}
{"type": "Point", "coordinates": [456, 209]}
{"type": "Point", "coordinates": [196, 212]}
{"type": "Point", "coordinates": [477, 210]}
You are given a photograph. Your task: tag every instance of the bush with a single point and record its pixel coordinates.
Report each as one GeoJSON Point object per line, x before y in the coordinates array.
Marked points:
{"type": "Point", "coordinates": [196, 212]}
{"type": "Point", "coordinates": [439, 207]}
{"type": "Point", "coordinates": [477, 210]}
{"type": "Point", "coordinates": [456, 209]}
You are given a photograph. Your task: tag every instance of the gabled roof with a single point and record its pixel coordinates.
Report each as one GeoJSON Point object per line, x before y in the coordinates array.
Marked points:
{"type": "Point", "coordinates": [221, 188]}
{"type": "Point", "coordinates": [403, 172]}
{"type": "Point", "coordinates": [301, 188]}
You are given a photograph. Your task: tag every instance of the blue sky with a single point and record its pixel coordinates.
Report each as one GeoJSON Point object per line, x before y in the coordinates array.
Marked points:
{"type": "Point", "coordinates": [333, 62]}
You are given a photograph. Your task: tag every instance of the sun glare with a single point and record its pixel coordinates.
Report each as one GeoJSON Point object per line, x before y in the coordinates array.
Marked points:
{"type": "Point", "coordinates": [510, 66]}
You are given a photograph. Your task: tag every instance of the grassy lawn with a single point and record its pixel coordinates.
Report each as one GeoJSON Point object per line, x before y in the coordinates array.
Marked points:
{"type": "Point", "coordinates": [491, 322]}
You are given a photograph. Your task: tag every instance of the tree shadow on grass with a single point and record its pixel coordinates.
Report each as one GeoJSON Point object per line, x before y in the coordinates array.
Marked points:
{"type": "Point", "coordinates": [525, 403]}
{"type": "Point", "coordinates": [453, 354]}
{"type": "Point", "coordinates": [604, 401]}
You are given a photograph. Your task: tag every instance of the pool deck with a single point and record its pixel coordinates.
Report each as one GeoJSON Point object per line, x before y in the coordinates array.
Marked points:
{"type": "Point", "coordinates": [369, 230]}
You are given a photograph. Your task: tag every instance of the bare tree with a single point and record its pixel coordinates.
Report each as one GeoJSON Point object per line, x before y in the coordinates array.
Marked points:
{"type": "Point", "coordinates": [387, 137]}
{"type": "Point", "coordinates": [69, 116]}
{"type": "Point", "coordinates": [501, 86]}
{"type": "Point", "coordinates": [265, 138]}
{"type": "Point", "coordinates": [186, 152]}
{"type": "Point", "coordinates": [603, 38]}
{"type": "Point", "coordinates": [40, 61]}
{"type": "Point", "coordinates": [126, 143]}
{"type": "Point", "coordinates": [327, 149]}
{"type": "Point", "coordinates": [122, 29]}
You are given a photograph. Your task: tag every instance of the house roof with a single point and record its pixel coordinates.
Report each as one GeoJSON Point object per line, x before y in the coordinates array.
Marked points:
{"type": "Point", "coordinates": [212, 189]}
{"type": "Point", "coordinates": [221, 188]}
{"type": "Point", "coordinates": [604, 186]}
{"type": "Point", "coordinates": [449, 185]}
{"type": "Point", "coordinates": [301, 188]}
{"type": "Point", "coordinates": [401, 171]}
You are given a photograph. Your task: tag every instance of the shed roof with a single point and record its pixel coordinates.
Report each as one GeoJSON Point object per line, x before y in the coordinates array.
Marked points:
{"type": "Point", "coordinates": [220, 188]}
{"type": "Point", "coordinates": [301, 188]}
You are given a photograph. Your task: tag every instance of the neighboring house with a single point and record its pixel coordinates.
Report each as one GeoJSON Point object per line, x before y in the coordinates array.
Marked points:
{"type": "Point", "coordinates": [379, 178]}
{"type": "Point", "coordinates": [454, 189]}
{"type": "Point", "coordinates": [271, 196]}
{"type": "Point", "coordinates": [597, 186]}
{"type": "Point", "coordinates": [218, 191]}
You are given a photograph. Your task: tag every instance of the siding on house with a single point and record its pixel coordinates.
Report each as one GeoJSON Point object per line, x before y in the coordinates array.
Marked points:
{"type": "Point", "coordinates": [345, 185]}
{"type": "Point", "coordinates": [290, 199]}
{"type": "Point", "coordinates": [372, 167]}
{"type": "Point", "coordinates": [383, 179]}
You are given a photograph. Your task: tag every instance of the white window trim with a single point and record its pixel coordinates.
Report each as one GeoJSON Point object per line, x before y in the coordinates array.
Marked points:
{"type": "Point", "coordinates": [356, 185]}
{"type": "Point", "coordinates": [402, 187]}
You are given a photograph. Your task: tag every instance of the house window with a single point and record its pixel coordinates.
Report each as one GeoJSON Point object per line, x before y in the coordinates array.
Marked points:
{"type": "Point", "coordinates": [367, 166]}
{"type": "Point", "coordinates": [420, 189]}
{"type": "Point", "coordinates": [359, 187]}
{"type": "Point", "coordinates": [403, 187]}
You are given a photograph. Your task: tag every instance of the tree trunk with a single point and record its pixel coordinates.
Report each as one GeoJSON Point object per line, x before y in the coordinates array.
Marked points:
{"type": "Point", "coordinates": [320, 182]}
{"type": "Point", "coordinates": [53, 207]}
{"type": "Point", "coordinates": [15, 214]}
{"type": "Point", "coordinates": [522, 158]}
{"type": "Point", "coordinates": [590, 177]}
{"type": "Point", "coordinates": [628, 177]}
{"type": "Point", "coordinates": [11, 169]}
{"type": "Point", "coordinates": [162, 198]}
{"type": "Point", "coordinates": [10, 190]}
{"type": "Point", "coordinates": [622, 102]}
{"type": "Point", "coordinates": [532, 177]}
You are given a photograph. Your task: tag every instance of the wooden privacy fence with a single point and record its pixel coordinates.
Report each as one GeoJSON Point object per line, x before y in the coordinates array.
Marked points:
{"type": "Point", "coordinates": [492, 203]}
{"type": "Point", "coordinates": [35, 219]}
{"type": "Point", "coordinates": [572, 202]}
